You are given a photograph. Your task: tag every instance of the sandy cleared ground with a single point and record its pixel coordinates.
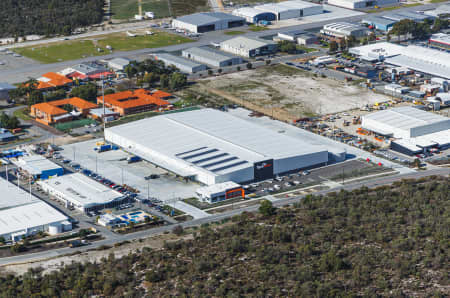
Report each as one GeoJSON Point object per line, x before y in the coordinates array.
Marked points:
{"type": "Point", "coordinates": [295, 91]}
{"type": "Point", "coordinates": [53, 264]}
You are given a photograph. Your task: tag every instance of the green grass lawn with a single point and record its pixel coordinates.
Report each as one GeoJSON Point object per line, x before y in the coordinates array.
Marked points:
{"type": "Point", "coordinates": [305, 49]}
{"type": "Point", "coordinates": [77, 49]}
{"type": "Point", "coordinates": [23, 114]}
{"type": "Point", "coordinates": [60, 51]}
{"type": "Point", "coordinates": [121, 42]}
{"type": "Point", "coordinates": [234, 32]}
{"type": "Point", "coordinates": [257, 28]}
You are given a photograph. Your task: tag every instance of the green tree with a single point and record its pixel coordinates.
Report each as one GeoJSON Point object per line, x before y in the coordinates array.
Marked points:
{"type": "Point", "coordinates": [177, 81]}
{"type": "Point", "coordinates": [87, 92]}
{"type": "Point", "coordinates": [333, 45]}
{"type": "Point", "coordinates": [286, 46]}
{"type": "Point", "coordinates": [266, 208]}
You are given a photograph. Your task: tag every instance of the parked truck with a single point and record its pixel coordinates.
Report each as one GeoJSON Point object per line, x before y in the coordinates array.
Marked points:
{"type": "Point", "coordinates": [132, 159]}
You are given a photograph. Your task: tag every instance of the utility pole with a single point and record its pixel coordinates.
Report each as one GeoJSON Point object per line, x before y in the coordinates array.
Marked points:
{"type": "Point", "coordinates": [7, 180]}
{"type": "Point", "coordinates": [96, 166]}
{"type": "Point", "coordinates": [30, 189]}
{"type": "Point", "coordinates": [104, 109]}
{"type": "Point", "coordinates": [73, 153]}
{"type": "Point", "coordinates": [122, 175]}
{"type": "Point", "coordinates": [148, 190]}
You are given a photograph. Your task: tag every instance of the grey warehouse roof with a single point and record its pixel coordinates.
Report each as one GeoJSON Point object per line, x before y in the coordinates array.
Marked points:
{"type": "Point", "coordinates": [246, 42]}
{"type": "Point", "coordinates": [378, 20]}
{"type": "Point", "coordinates": [6, 86]}
{"type": "Point", "coordinates": [406, 117]}
{"type": "Point", "coordinates": [176, 59]}
{"type": "Point", "coordinates": [210, 53]}
{"type": "Point", "coordinates": [195, 138]}
{"type": "Point", "coordinates": [204, 18]}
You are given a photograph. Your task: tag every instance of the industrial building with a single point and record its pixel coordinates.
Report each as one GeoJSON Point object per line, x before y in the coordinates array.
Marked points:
{"type": "Point", "coordinates": [290, 9]}
{"type": "Point", "coordinates": [422, 59]}
{"type": "Point", "coordinates": [211, 57]}
{"type": "Point", "coordinates": [253, 15]}
{"type": "Point", "coordinates": [135, 101]}
{"type": "Point", "coordinates": [289, 35]}
{"type": "Point", "coordinates": [22, 214]}
{"type": "Point", "coordinates": [5, 88]}
{"type": "Point", "coordinates": [298, 36]}
{"type": "Point", "coordinates": [220, 192]}
{"type": "Point", "coordinates": [38, 167]}
{"type": "Point", "coordinates": [184, 65]}
{"type": "Point", "coordinates": [360, 4]}
{"type": "Point", "coordinates": [212, 147]}
{"type": "Point", "coordinates": [118, 64]}
{"type": "Point", "coordinates": [248, 47]}
{"type": "Point", "coordinates": [207, 21]}
{"type": "Point", "coordinates": [82, 193]}
{"type": "Point", "coordinates": [439, 11]}
{"type": "Point", "coordinates": [84, 71]}
{"type": "Point", "coordinates": [6, 135]}
{"type": "Point", "coordinates": [414, 130]}
{"type": "Point", "coordinates": [53, 112]}
{"type": "Point", "coordinates": [403, 15]}
{"type": "Point", "coordinates": [344, 30]}
{"type": "Point", "coordinates": [379, 23]}
{"type": "Point", "coordinates": [440, 40]}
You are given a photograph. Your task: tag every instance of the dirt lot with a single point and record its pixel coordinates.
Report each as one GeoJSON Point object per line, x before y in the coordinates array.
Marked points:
{"type": "Point", "coordinates": [156, 242]}
{"type": "Point", "coordinates": [292, 91]}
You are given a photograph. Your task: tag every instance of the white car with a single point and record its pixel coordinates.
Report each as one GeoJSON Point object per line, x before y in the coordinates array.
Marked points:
{"type": "Point", "coordinates": [305, 173]}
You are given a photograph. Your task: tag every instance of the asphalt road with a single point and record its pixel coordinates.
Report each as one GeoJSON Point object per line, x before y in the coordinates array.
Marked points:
{"type": "Point", "coordinates": [109, 241]}
{"type": "Point", "coordinates": [23, 73]}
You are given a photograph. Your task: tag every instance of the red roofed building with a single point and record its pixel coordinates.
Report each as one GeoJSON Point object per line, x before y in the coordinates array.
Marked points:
{"type": "Point", "coordinates": [52, 80]}
{"type": "Point", "coordinates": [137, 101]}
{"type": "Point", "coordinates": [52, 112]}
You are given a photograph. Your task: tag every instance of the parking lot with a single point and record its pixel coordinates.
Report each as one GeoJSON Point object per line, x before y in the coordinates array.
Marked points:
{"type": "Point", "coordinates": [332, 174]}
{"type": "Point", "coordinates": [149, 180]}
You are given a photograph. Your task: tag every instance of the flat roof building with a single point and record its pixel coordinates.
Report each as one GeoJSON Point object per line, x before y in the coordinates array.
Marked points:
{"type": "Point", "coordinates": [220, 192]}
{"type": "Point", "coordinates": [344, 30]}
{"type": "Point", "coordinates": [413, 129]}
{"type": "Point", "coordinates": [417, 58]}
{"type": "Point", "coordinates": [290, 35]}
{"type": "Point", "coordinates": [134, 101]}
{"type": "Point", "coordinates": [212, 147]}
{"type": "Point", "coordinates": [211, 57]}
{"type": "Point", "coordinates": [290, 9]}
{"type": "Point", "coordinates": [38, 166]}
{"type": "Point", "coordinates": [22, 214]}
{"type": "Point", "coordinates": [82, 193]}
{"type": "Point", "coordinates": [440, 40]}
{"type": "Point", "coordinates": [439, 11]}
{"type": "Point", "coordinates": [407, 15]}
{"type": "Point", "coordinates": [118, 63]}
{"type": "Point", "coordinates": [5, 88]}
{"type": "Point", "coordinates": [87, 71]}
{"type": "Point", "coordinates": [207, 21]}
{"type": "Point", "coordinates": [360, 4]}
{"type": "Point", "coordinates": [253, 15]}
{"type": "Point", "coordinates": [248, 47]}
{"type": "Point", "coordinates": [184, 65]}
{"type": "Point", "coordinates": [379, 23]}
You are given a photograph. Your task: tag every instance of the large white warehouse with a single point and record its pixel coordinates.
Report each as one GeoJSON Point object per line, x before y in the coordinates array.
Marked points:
{"type": "Point", "coordinates": [81, 192]}
{"type": "Point", "coordinates": [214, 147]}
{"type": "Point", "coordinates": [22, 214]}
{"type": "Point", "coordinates": [359, 4]}
{"type": "Point", "coordinates": [289, 9]}
{"type": "Point", "coordinates": [414, 130]}
{"type": "Point", "coordinates": [417, 58]}
{"type": "Point", "coordinates": [207, 21]}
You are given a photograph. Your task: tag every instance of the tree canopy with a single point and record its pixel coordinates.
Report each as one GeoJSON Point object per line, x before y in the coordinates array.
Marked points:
{"type": "Point", "coordinates": [391, 241]}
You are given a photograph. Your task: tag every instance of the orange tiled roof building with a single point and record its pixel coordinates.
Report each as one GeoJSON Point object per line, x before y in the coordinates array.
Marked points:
{"type": "Point", "coordinates": [51, 80]}
{"type": "Point", "coordinates": [52, 112]}
{"type": "Point", "coordinates": [137, 101]}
